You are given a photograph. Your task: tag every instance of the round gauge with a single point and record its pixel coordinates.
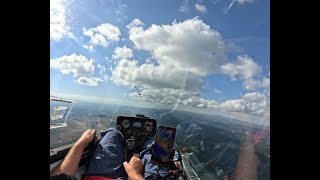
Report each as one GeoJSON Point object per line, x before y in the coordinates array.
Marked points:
{"type": "Point", "coordinates": [118, 128]}
{"type": "Point", "coordinates": [125, 123]}
{"type": "Point", "coordinates": [148, 126]}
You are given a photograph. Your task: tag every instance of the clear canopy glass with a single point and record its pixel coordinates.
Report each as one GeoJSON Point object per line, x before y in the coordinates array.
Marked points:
{"type": "Point", "coordinates": [200, 66]}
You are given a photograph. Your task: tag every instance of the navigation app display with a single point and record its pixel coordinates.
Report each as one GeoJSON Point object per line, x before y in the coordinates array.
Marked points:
{"type": "Point", "coordinates": [163, 145]}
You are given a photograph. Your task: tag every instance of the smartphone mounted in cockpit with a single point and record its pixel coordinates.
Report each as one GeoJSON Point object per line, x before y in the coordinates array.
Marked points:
{"type": "Point", "coordinates": [162, 150]}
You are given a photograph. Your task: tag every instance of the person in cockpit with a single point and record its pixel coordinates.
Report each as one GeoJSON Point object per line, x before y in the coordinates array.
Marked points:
{"type": "Point", "coordinates": [69, 166]}
{"type": "Point", "coordinates": [107, 161]}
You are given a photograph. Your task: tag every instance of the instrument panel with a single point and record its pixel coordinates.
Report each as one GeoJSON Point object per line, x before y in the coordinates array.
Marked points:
{"type": "Point", "coordinates": [136, 130]}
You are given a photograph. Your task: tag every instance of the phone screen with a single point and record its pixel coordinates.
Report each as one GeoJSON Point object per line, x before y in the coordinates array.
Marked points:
{"type": "Point", "coordinates": [163, 145]}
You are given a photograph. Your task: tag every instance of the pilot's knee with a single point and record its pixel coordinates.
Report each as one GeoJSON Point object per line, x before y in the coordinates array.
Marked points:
{"type": "Point", "coordinates": [111, 129]}
{"type": "Point", "coordinates": [111, 134]}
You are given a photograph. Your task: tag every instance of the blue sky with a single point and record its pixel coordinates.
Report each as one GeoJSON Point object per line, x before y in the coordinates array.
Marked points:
{"type": "Point", "coordinates": [212, 55]}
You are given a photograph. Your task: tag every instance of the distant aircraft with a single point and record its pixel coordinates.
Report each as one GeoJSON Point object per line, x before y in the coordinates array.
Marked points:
{"type": "Point", "coordinates": [137, 90]}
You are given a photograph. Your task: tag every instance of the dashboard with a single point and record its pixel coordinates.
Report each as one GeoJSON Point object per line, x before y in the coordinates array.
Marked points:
{"type": "Point", "coordinates": [136, 130]}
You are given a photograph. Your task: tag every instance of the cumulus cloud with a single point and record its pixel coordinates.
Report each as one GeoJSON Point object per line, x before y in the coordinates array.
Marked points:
{"type": "Point", "coordinates": [233, 105]}
{"type": "Point", "coordinates": [251, 103]}
{"type": "Point", "coordinates": [201, 8]}
{"type": "Point", "coordinates": [136, 26]}
{"type": "Point", "coordinates": [200, 105]}
{"type": "Point", "coordinates": [101, 35]}
{"type": "Point", "coordinates": [89, 81]}
{"type": "Point", "coordinates": [244, 67]}
{"type": "Point", "coordinates": [135, 23]}
{"type": "Point", "coordinates": [189, 46]}
{"type": "Point", "coordinates": [59, 27]}
{"type": "Point", "coordinates": [78, 65]}
{"type": "Point", "coordinates": [256, 103]}
{"type": "Point", "coordinates": [253, 84]}
{"type": "Point", "coordinates": [130, 73]}
{"type": "Point", "coordinates": [181, 55]}
{"type": "Point", "coordinates": [167, 96]}
{"type": "Point", "coordinates": [122, 53]}
{"type": "Point", "coordinates": [172, 96]}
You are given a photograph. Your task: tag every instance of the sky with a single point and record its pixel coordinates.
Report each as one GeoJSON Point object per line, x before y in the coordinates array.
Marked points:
{"type": "Point", "coordinates": [205, 56]}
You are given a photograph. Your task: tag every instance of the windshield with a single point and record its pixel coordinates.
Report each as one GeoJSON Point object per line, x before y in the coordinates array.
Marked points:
{"type": "Point", "coordinates": [202, 67]}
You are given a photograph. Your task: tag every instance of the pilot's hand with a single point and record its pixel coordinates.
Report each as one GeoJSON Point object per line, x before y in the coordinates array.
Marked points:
{"type": "Point", "coordinates": [86, 137]}
{"type": "Point", "coordinates": [134, 167]}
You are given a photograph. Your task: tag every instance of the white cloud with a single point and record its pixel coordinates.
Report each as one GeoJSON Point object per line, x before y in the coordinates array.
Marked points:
{"type": "Point", "coordinates": [78, 65]}
{"type": "Point", "coordinates": [233, 105]}
{"type": "Point", "coordinates": [58, 25]}
{"type": "Point", "coordinates": [120, 11]}
{"type": "Point", "coordinates": [257, 103]}
{"type": "Point", "coordinates": [171, 96]}
{"type": "Point", "coordinates": [150, 60]}
{"type": "Point", "coordinates": [130, 73]}
{"type": "Point", "coordinates": [213, 104]}
{"type": "Point", "coordinates": [244, 1]}
{"type": "Point", "coordinates": [122, 53]}
{"type": "Point", "coordinates": [135, 23]}
{"type": "Point", "coordinates": [184, 8]}
{"type": "Point", "coordinates": [244, 68]}
{"type": "Point", "coordinates": [103, 72]}
{"type": "Point", "coordinates": [241, 2]}
{"type": "Point", "coordinates": [136, 26]}
{"type": "Point", "coordinates": [181, 55]}
{"type": "Point", "coordinates": [101, 35]}
{"type": "Point", "coordinates": [200, 105]}
{"type": "Point", "coordinates": [89, 81]}
{"type": "Point", "coordinates": [217, 91]}
{"type": "Point", "coordinates": [89, 47]}
{"type": "Point", "coordinates": [201, 8]}
{"type": "Point", "coordinates": [188, 46]}
{"type": "Point", "coordinates": [253, 84]}
{"type": "Point", "coordinates": [102, 69]}
{"type": "Point", "coordinates": [251, 103]}
{"type": "Point", "coordinates": [110, 64]}
{"type": "Point", "coordinates": [167, 96]}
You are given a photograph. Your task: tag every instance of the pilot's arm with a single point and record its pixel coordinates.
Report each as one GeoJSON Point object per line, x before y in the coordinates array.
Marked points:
{"type": "Point", "coordinates": [134, 168]}
{"type": "Point", "coordinates": [71, 162]}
